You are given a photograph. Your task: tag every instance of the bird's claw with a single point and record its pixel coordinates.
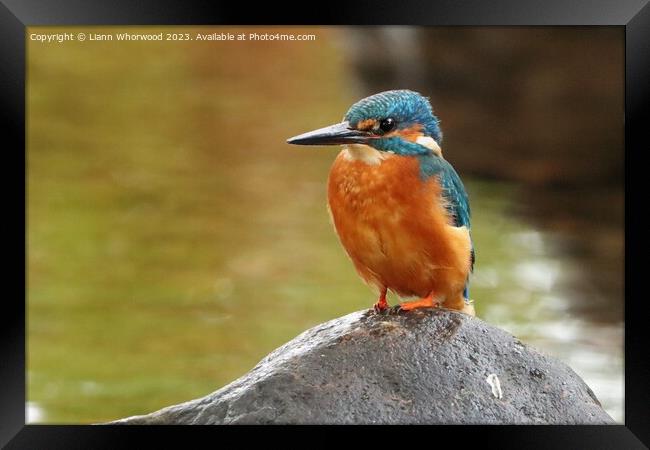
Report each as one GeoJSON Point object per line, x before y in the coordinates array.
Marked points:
{"type": "Point", "coordinates": [379, 309]}
{"type": "Point", "coordinates": [395, 310]}
{"type": "Point", "coordinates": [382, 305]}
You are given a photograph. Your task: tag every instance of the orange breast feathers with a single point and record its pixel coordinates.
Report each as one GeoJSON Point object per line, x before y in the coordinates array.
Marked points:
{"type": "Point", "coordinates": [395, 228]}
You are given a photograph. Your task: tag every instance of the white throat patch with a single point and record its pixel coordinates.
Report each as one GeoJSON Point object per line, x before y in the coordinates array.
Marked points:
{"type": "Point", "coordinates": [365, 153]}
{"type": "Point", "coordinates": [373, 157]}
{"type": "Point", "coordinates": [428, 142]}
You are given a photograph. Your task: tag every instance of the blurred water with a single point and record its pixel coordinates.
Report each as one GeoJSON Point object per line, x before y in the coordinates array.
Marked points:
{"type": "Point", "coordinates": [174, 239]}
{"type": "Point", "coordinates": [33, 413]}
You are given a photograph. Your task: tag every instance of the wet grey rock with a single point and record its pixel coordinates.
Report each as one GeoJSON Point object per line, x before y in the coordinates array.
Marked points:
{"type": "Point", "coordinates": [433, 366]}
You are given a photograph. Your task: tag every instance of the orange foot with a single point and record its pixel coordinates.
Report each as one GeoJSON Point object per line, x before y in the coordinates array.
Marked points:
{"type": "Point", "coordinates": [382, 304]}
{"type": "Point", "coordinates": [426, 302]}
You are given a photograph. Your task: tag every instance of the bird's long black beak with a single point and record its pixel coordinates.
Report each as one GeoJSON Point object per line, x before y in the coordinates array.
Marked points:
{"type": "Point", "coordinates": [341, 133]}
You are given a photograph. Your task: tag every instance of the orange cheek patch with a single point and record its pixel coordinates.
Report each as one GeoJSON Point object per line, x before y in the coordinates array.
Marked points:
{"type": "Point", "coordinates": [366, 125]}
{"type": "Point", "coordinates": [409, 134]}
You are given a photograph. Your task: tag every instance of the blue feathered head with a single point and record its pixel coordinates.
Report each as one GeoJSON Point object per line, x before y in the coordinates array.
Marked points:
{"type": "Point", "coordinates": [393, 112]}
{"type": "Point", "coordinates": [395, 121]}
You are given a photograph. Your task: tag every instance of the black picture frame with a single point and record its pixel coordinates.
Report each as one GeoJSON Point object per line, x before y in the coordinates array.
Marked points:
{"type": "Point", "coordinates": [16, 15]}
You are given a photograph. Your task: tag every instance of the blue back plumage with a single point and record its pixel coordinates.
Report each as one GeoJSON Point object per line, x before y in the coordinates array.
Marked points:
{"type": "Point", "coordinates": [452, 187]}
{"type": "Point", "coordinates": [454, 194]}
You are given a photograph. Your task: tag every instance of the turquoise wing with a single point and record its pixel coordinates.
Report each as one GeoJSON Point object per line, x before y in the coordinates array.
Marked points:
{"type": "Point", "coordinates": [454, 193]}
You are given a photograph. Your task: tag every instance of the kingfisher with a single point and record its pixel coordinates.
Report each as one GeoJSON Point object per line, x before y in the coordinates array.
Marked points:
{"type": "Point", "coordinates": [399, 208]}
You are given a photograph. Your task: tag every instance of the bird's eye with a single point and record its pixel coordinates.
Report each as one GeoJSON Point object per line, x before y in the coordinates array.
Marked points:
{"type": "Point", "coordinates": [387, 125]}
